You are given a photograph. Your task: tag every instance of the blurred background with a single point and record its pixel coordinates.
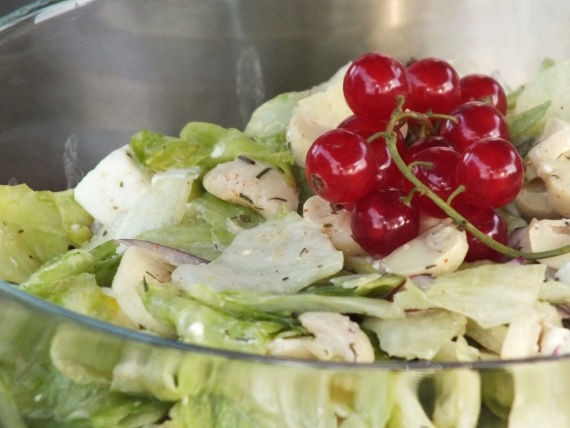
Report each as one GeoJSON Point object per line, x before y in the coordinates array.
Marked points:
{"type": "Point", "coordinates": [77, 80]}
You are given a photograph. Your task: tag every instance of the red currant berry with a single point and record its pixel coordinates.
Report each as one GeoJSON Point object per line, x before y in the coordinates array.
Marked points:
{"type": "Point", "coordinates": [492, 172]}
{"type": "Point", "coordinates": [340, 166]}
{"type": "Point", "coordinates": [492, 224]}
{"type": "Point", "coordinates": [363, 126]}
{"type": "Point", "coordinates": [387, 172]}
{"type": "Point", "coordinates": [381, 221]}
{"type": "Point", "coordinates": [482, 87]}
{"type": "Point", "coordinates": [434, 86]}
{"type": "Point", "coordinates": [372, 85]}
{"type": "Point", "coordinates": [426, 143]}
{"type": "Point", "coordinates": [436, 171]}
{"type": "Point", "coordinates": [474, 120]}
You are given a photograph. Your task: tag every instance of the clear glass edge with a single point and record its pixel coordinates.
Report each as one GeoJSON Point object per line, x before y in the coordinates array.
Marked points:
{"type": "Point", "coordinates": [32, 9]}
{"type": "Point", "coordinates": [51, 310]}
{"type": "Point", "coordinates": [26, 12]}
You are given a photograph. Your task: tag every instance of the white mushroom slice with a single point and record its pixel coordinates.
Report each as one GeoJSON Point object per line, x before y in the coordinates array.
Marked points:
{"type": "Point", "coordinates": [556, 177]}
{"type": "Point", "coordinates": [136, 267]}
{"type": "Point", "coordinates": [522, 336]}
{"type": "Point", "coordinates": [543, 235]}
{"type": "Point", "coordinates": [436, 251]}
{"type": "Point", "coordinates": [335, 338]}
{"type": "Point", "coordinates": [333, 222]}
{"type": "Point", "coordinates": [113, 186]}
{"type": "Point", "coordinates": [525, 334]}
{"type": "Point", "coordinates": [550, 160]}
{"type": "Point", "coordinates": [552, 147]}
{"type": "Point", "coordinates": [532, 201]}
{"type": "Point", "coordinates": [253, 184]}
{"type": "Point", "coordinates": [315, 115]}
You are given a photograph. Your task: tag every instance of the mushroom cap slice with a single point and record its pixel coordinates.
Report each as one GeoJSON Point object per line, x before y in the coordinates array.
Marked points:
{"type": "Point", "coordinates": [438, 250]}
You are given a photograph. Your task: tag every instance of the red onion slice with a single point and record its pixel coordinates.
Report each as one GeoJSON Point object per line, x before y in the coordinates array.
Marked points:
{"type": "Point", "coordinates": [167, 254]}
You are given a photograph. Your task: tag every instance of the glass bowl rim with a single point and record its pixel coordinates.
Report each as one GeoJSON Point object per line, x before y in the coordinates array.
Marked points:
{"type": "Point", "coordinates": [41, 306]}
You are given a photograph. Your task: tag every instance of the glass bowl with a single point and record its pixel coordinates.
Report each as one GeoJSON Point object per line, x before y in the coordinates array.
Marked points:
{"type": "Point", "coordinates": [78, 78]}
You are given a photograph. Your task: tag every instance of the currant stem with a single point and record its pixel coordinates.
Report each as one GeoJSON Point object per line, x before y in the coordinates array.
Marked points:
{"type": "Point", "coordinates": [458, 219]}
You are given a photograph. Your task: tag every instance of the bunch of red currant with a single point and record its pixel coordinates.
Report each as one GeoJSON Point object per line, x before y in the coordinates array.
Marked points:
{"type": "Point", "coordinates": [465, 154]}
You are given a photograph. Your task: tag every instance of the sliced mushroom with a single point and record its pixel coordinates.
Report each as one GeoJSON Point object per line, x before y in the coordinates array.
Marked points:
{"type": "Point", "coordinates": [555, 143]}
{"type": "Point", "coordinates": [335, 338]}
{"type": "Point", "coordinates": [543, 235]}
{"type": "Point", "coordinates": [334, 222]}
{"type": "Point", "coordinates": [556, 177]}
{"type": "Point", "coordinates": [136, 268]}
{"type": "Point", "coordinates": [315, 115]}
{"type": "Point", "coordinates": [534, 332]}
{"type": "Point", "coordinates": [254, 184]}
{"type": "Point", "coordinates": [532, 201]}
{"type": "Point", "coordinates": [438, 250]}
{"type": "Point", "coordinates": [550, 161]}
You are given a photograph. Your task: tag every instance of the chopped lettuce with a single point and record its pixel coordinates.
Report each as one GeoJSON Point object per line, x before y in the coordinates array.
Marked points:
{"type": "Point", "coordinates": [45, 396]}
{"type": "Point", "coordinates": [539, 395]}
{"type": "Point", "coordinates": [419, 335]}
{"type": "Point", "coordinates": [70, 281]}
{"type": "Point", "coordinates": [457, 399]}
{"type": "Point", "coordinates": [408, 410]}
{"type": "Point", "coordinates": [551, 85]}
{"type": "Point", "coordinates": [491, 294]}
{"type": "Point", "coordinates": [205, 145]}
{"type": "Point", "coordinates": [248, 304]}
{"type": "Point", "coordinates": [36, 226]}
{"type": "Point", "coordinates": [281, 256]}
{"type": "Point", "coordinates": [526, 126]}
{"type": "Point", "coordinates": [208, 226]}
{"type": "Point", "coordinates": [272, 117]}
{"type": "Point", "coordinates": [200, 324]}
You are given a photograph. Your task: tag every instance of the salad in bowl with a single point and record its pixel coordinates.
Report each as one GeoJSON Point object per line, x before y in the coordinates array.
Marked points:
{"type": "Point", "coordinates": [394, 214]}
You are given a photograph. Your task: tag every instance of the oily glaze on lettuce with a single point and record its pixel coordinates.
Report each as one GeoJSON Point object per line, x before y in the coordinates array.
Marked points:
{"type": "Point", "coordinates": [36, 226]}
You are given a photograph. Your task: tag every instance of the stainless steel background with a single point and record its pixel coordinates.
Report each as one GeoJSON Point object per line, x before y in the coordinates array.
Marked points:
{"type": "Point", "coordinates": [76, 85]}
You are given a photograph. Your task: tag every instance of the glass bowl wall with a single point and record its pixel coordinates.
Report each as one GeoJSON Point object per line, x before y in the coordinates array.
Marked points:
{"type": "Point", "coordinates": [78, 78]}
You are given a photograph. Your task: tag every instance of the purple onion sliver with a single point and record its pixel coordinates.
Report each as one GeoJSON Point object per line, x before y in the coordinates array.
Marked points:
{"type": "Point", "coordinates": [167, 254]}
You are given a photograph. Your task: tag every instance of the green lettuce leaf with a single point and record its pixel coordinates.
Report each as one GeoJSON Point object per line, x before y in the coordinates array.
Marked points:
{"type": "Point", "coordinates": [457, 399]}
{"type": "Point", "coordinates": [408, 410]}
{"type": "Point", "coordinates": [197, 323]}
{"type": "Point", "coordinates": [491, 294]}
{"type": "Point", "coordinates": [551, 85]}
{"type": "Point", "coordinates": [208, 226]}
{"type": "Point", "coordinates": [70, 281]}
{"type": "Point", "coordinates": [273, 116]}
{"type": "Point", "coordinates": [419, 335]}
{"type": "Point", "coordinates": [280, 256]}
{"type": "Point", "coordinates": [36, 226]}
{"type": "Point", "coordinates": [526, 126]}
{"type": "Point", "coordinates": [205, 145]}
{"type": "Point", "coordinates": [539, 395]}
{"type": "Point", "coordinates": [259, 306]}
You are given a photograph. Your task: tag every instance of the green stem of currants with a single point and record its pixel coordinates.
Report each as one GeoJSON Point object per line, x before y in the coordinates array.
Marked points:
{"type": "Point", "coordinates": [390, 135]}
